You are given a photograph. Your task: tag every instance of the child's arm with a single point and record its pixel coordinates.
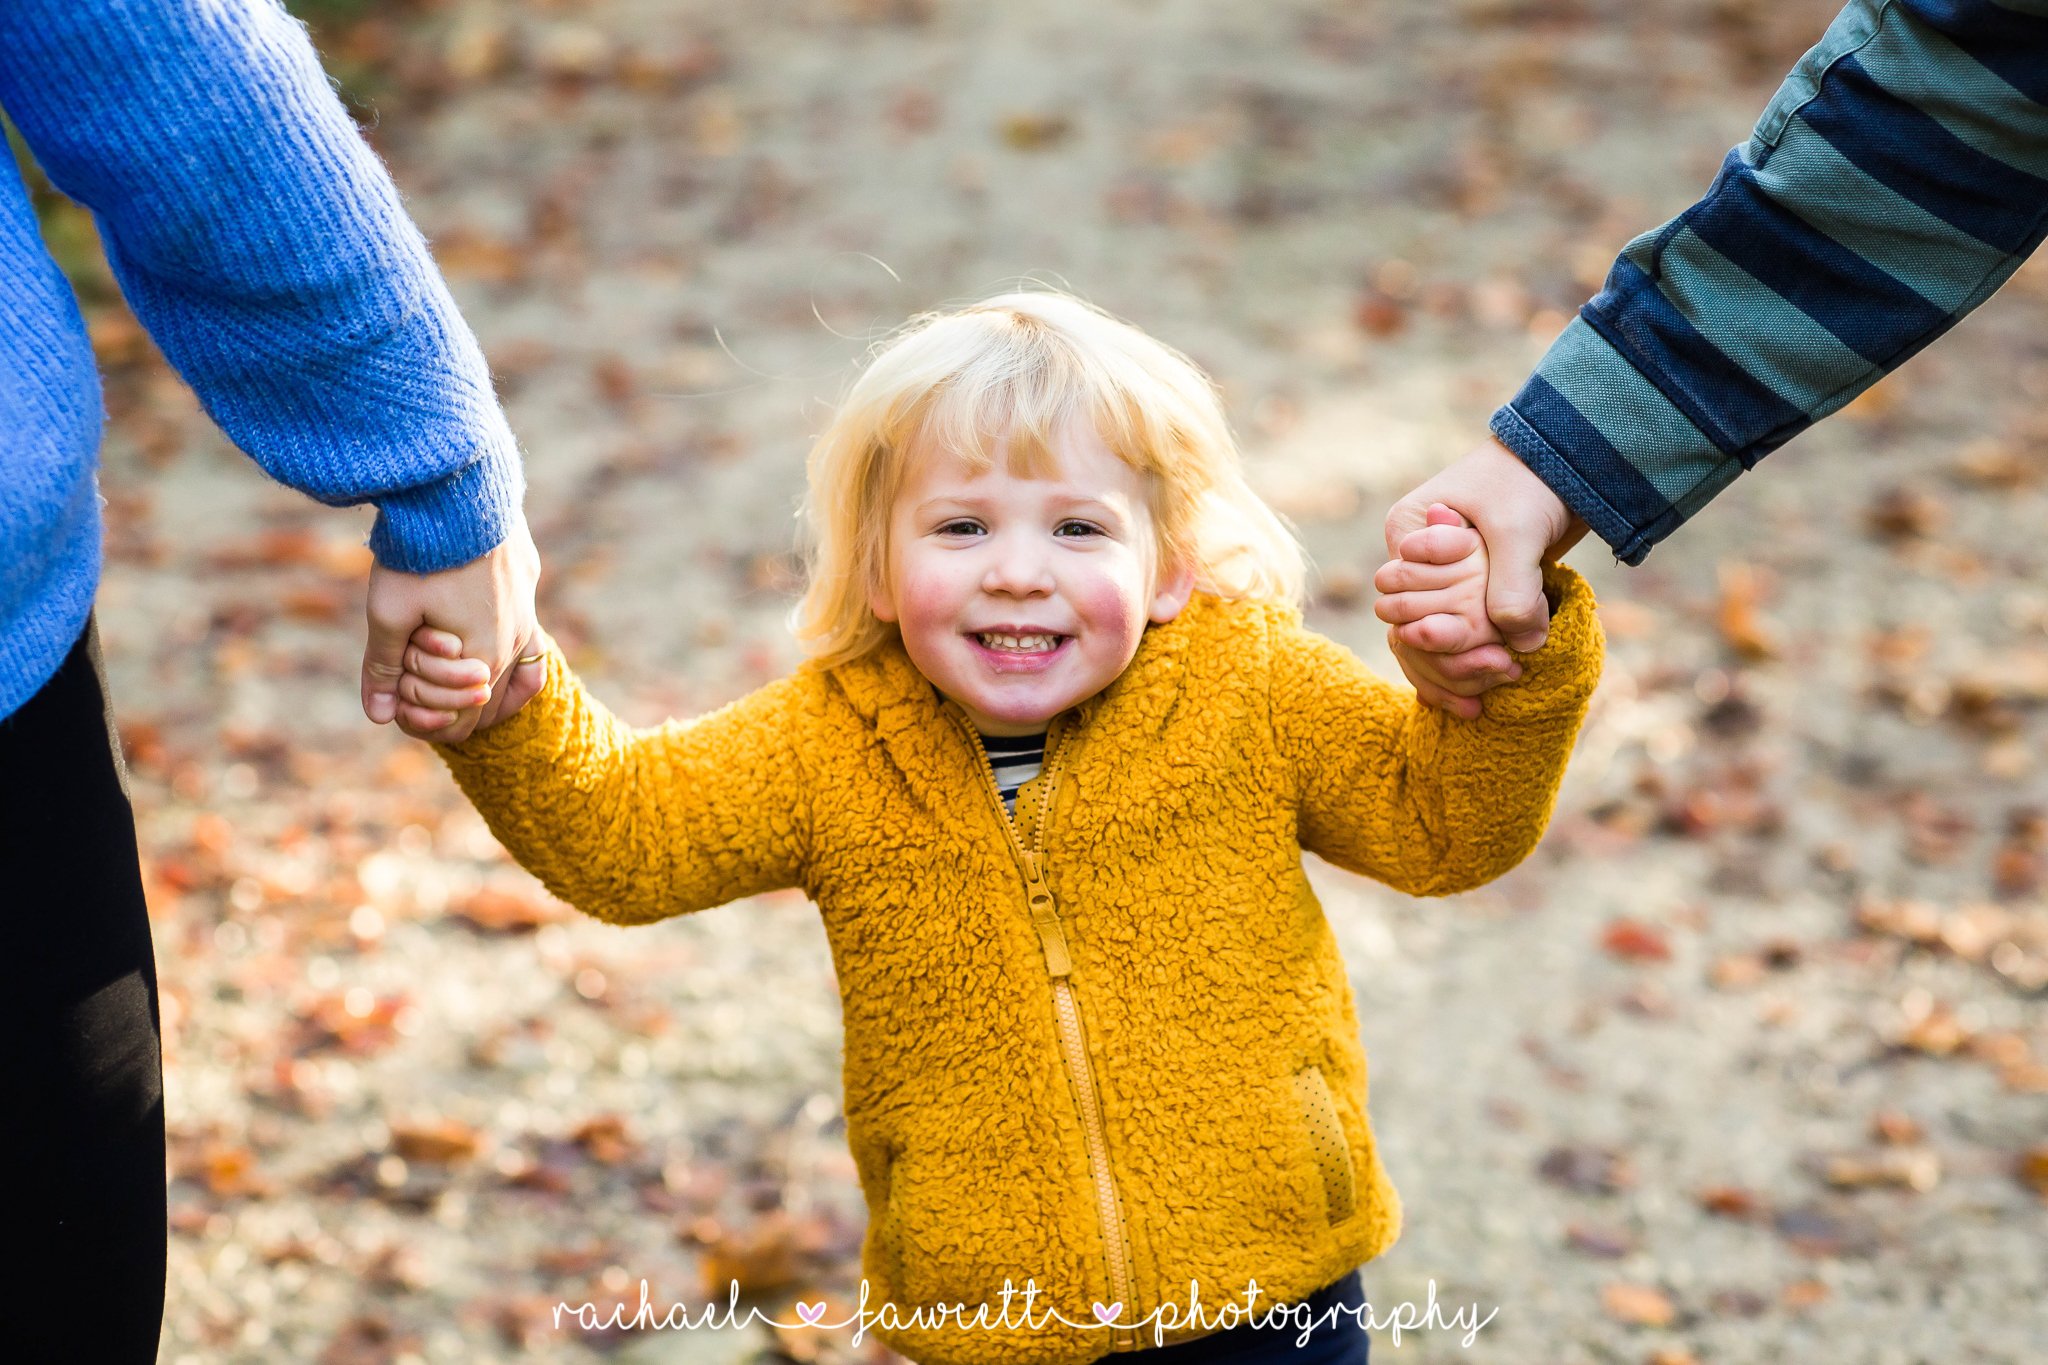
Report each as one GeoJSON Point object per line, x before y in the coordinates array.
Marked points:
{"type": "Point", "coordinates": [632, 825]}
{"type": "Point", "coordinates": [1430, 803]}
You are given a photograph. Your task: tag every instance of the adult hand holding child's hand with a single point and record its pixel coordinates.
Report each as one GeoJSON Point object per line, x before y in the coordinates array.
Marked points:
{"type": "Point", "coordinates": [1523, 524]}
{"type": "Point", "coordinates": [485, 606]}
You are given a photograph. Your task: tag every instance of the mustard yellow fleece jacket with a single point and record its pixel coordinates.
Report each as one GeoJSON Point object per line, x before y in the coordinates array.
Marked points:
{"type": "Point", "coordinates": [1107, 1048]}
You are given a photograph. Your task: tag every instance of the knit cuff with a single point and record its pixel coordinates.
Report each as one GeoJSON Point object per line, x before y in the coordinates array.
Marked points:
{"type": "Point", "coordinates": [1573, 489]}
{"type": "Point", "coordinates": [542, 714]}
{"type": "Point", "coordinates": [455, 519]}
{"type": "Point", "coordinates": [1566, 667]}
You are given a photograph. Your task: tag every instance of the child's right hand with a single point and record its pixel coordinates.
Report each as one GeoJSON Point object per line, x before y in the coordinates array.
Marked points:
{"type": "Point", "coordinates": [438, 682]}
{"type": "Point", "coordinates": [1438, 586]}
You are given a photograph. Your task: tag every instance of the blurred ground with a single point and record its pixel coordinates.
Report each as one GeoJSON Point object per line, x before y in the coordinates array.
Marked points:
{"type": "Point", "coordinates": [1744, 1065]}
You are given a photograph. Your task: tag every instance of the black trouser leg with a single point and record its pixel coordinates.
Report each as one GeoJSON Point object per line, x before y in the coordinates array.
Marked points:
{"type": "Point", "coordinates": [81, 1080]}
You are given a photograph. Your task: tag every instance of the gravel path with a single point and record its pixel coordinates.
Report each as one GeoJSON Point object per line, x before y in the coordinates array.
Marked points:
{"type": "Point", "coordinates": [1742, 1065]}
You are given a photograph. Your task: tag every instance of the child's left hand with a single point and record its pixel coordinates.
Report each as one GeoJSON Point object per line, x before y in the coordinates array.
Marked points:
{"type": "Point", "coordinates": [439, 682]}
{"type": "Point", "coordinates": [1438, 587]}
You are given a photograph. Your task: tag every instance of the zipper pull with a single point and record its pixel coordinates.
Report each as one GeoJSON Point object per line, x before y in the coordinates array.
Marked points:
{"type": "Point", "coordinates": [1045, 916]}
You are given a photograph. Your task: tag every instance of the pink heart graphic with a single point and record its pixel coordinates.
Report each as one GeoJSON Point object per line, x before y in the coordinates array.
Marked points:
{"type": "Point", "coordinates": [1110, 1313]}
{"type": "Point", "coordinates": [810, 1312]}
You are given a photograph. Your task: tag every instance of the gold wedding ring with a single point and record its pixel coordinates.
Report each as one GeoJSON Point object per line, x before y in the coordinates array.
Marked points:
{"type": "Point", "coordinates": [531, 658]}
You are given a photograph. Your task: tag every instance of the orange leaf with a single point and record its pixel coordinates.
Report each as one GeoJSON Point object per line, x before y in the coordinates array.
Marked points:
{"type": "Point", "coordinates": [1639, 1305]}
{"type": "Point", "coordinates": [1730, 1201]}
{"type": "Point", "coordinates": [507, 912]}
{"type": "Point", "coordinates": [1742, 629]}
{"type": "Point", "coordinates": [2033, 1170]}
{"type": "Point", "coordinates": [1632, 939]}
{"type": "Point", "coordinates": [605, 1139]}
{"type": "Point", "coordinates": [438, 1142]}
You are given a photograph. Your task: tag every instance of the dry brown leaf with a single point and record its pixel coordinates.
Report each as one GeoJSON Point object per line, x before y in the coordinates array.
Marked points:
{"type": "Point", "coordinates": [2018, 869]}
{"type": "Point", "coordinates": [1738, 1303]}
{"type": "Point", "coordinates": [397, 1266]}
{"type": "Point", "coordinates": [1634, 941]}
{"type": "Point", "coordinates": [914, 111]}
{"type": "Point", "coordinates": [466, 255]}
{"type": "Point", "coordinates": [763, 1258]}
{"type": "Point", "coordinates": [268, 550]}
{"type": "Point", "coordinates": [614, 379]}
{"type": "Point", "coordinates": [1899, 646]}
{"type": "Point", "coordinates": [1934, 1030]}
{"type": "Point", "coordinates": [498, 911]}
{"type": "Point", "coordinates": [1971, 931]}
{"type": "Point", "coordinates": [1638, 1305]}
{"type": "Point", "coordinates": [1604, 1242]}
{"type": "Point", "coordinates": [229, 1171]}
{"type": "Point", "coordinates": [1379, 316]}
{"type": "Point", "coordinates": [1935, 833]}
{"type": "Point", "coordinates": [439, 1142]}
{"type": "Point", "coordinates": [1734, 971]}
{"type": "Point", "coordinates": [1999, 464]}
{"type": "Point", "coordinates": [1822, 1233]}
{"type": "Point", "coordinates": [1912, 1168]}
{"type": "Point", "coordinates": [1914, 921]}
{"type": "Point", "coordinates": [605, 1139]}
{"type": "Point", "coordinates": [118, 339]}
{"type": "Point", "coordinates": [574, 1262]}
{"type": "Point", "coordinates": [1730, 1201]}
{"type": "Point", "coordinates": [524, 1322]}
{"type": "Point", "coordinates": [1742, 628]}
{"type": "Point", "coordinates": [476, 50]}
{"type": "Point", "coordinates": [2032, 1169]}
{"type": "Point", "coordinates": [356, 1020]}
{"type": "Point", "coordinates": [2027, 1078]}
{"type": "Point", "coordinates": [1904, 513]}
{"type": "Point", "coordinates": [322, 604]}
{"type": "Point", "coordinates": [1587, 1170]}
{"type": "Point", "coordinates": [1035, 132]}
{"type": "Point", "coordinates": [573, 51]}
{"type": "Point", "coordinates": [368, 1339]}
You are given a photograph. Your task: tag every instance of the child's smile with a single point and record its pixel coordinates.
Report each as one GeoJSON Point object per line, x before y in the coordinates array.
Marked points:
{"type": "Point", "coordinates": [1011, 649]}
{"type": "Point", "coordinates": [1019, 597]}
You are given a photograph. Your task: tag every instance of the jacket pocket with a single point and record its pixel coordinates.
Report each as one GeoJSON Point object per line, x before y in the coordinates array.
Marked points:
{"type": "Point", "coordinates": [1326, 1140]}
{"type": "Point", "coordinates": [882, 1257]}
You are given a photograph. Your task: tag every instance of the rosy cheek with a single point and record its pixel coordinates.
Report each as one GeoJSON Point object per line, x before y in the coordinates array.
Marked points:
{"type": "Point", "coordinates": [925, 596]}
{"type": "Point", "coordinates": [1109, 608]}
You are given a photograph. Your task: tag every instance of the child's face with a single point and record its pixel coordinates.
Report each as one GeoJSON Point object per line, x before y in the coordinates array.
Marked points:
{"type": "Point", "coordinates": [1063, 568]}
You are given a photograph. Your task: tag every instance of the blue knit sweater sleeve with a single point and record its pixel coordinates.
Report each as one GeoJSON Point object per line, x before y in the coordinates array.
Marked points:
{"type": "Point", "coordinates": [264, 247]}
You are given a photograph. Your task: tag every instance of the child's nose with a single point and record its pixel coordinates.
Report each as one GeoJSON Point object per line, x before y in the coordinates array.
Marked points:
{"type": "Point", "coordinates": [1017, 568]}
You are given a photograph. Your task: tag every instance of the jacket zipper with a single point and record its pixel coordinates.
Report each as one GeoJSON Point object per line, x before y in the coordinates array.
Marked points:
{"type": "Point", "coordinates": [1058, 964]}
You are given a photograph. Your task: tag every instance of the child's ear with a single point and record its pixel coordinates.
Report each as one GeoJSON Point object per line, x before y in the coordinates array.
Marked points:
{"type": "Point", "coordinates": [1175, 589]}
{"type": "Point", "coordinates": [880, 600]}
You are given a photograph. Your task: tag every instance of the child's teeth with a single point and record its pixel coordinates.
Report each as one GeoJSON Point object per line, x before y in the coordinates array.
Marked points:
{"type": "Point", "coordinates": [1020, 643]}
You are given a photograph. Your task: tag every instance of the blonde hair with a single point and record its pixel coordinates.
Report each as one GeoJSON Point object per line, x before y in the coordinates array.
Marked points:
{"type": "Point", "coordinates": [1022, 366]}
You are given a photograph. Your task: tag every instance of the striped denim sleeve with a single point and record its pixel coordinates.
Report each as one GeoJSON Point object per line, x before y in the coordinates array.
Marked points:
{"type": "Point", "coordinates": [1898, 177]}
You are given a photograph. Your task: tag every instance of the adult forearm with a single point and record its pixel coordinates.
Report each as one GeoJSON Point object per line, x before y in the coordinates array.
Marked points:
{"type": "Point", "coordinates": [1897, 179]}
{"type": "Point", "coordinates": [264, 247]}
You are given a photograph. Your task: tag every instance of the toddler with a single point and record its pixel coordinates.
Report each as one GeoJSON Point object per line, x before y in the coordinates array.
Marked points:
{"type": "Point", "coordinates": [1048, 774]}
